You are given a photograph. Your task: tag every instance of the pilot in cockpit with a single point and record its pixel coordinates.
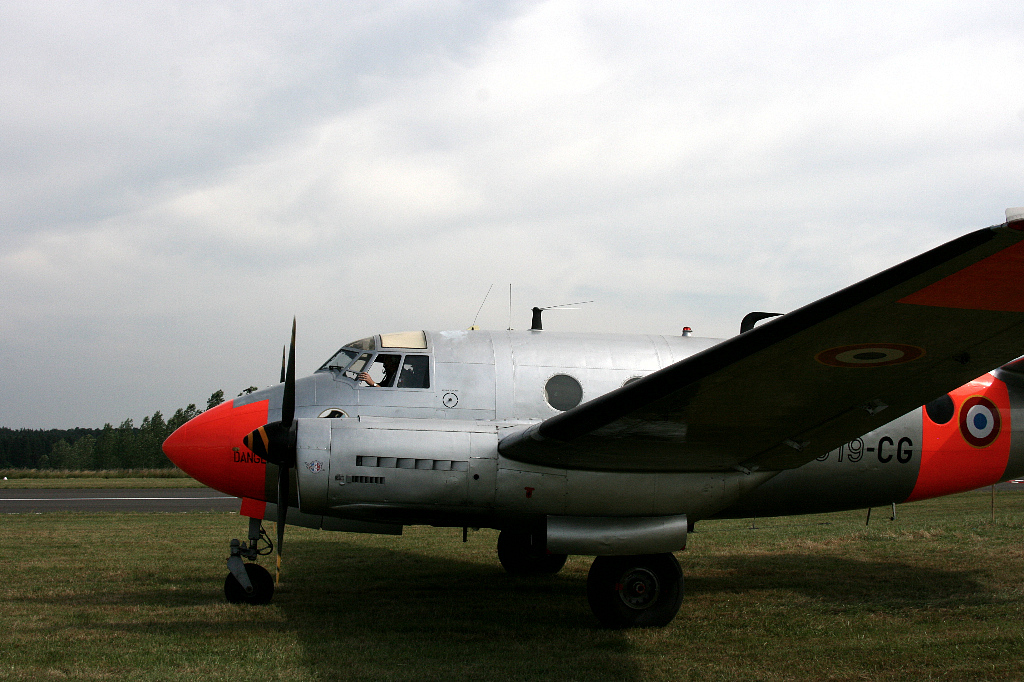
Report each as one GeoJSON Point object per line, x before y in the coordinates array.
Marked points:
{"type": "Point", "coordinates": [388, 364]}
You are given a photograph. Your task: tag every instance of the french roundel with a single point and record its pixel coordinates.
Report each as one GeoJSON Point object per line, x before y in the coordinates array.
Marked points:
{"type": "Point", "coordinates": [979, 421]}
{"type": "Point", "coordinates": [869, 355]}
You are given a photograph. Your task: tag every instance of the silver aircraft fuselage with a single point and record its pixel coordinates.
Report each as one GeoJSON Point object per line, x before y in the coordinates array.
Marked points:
{"type": "Point", "coordinates": [406, 455]}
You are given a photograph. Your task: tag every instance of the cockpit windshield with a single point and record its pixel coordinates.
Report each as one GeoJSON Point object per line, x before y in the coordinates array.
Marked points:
{"type": "Point", "coordinates": [340, 360]}
{"type": "Point", "coordinates": [344, 357]}
{"type": "Point", "coordinates": [363, 344]}
{"type": "Point", "coordinates": [355, 355]}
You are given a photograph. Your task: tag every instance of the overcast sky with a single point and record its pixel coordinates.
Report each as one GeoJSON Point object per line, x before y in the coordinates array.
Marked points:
{"type": "Point", "coordinates": [177, 180]}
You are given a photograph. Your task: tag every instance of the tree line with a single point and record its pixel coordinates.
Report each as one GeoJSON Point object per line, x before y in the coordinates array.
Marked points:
{"type": "Point", "coordinates": [113, 447]}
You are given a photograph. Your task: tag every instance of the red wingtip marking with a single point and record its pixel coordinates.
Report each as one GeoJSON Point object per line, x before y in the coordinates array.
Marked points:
{"type": "Point", "coordinates": [210, 449]}
{"type": "Point", "coordinates": [992, 283]}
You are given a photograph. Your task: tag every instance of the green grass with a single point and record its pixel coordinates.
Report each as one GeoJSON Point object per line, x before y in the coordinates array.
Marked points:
{"type": "Point", "coordinates": [937, 594]}
{"type": "Point", "coordinates": [169, 472]}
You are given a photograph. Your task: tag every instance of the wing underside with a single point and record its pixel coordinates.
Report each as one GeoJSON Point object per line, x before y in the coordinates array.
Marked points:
{"type": "Point", "coordinates": [802, 384]}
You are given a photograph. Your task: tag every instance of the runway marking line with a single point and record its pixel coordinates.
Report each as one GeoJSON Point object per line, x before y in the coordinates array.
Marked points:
{"type": "Point", "coordinates": [78, 499]}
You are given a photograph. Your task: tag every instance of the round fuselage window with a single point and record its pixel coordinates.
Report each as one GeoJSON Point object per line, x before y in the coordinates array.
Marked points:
{"type": "Point", "coordinates": [563, 392]}
{"type": "Point", "coordinates": [941, 409]}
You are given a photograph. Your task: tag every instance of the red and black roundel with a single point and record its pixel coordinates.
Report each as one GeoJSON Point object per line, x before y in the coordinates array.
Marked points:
{"type": "Point", "coordinates": [869, 355]}
{"type": "Point", "coordinates": [979, 421]}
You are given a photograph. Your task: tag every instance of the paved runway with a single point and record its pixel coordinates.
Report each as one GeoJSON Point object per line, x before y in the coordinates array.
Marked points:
{"type": "Point", "coordinates": [1017, 486]}
{"type": "Point", "coordinates": [119, 500]}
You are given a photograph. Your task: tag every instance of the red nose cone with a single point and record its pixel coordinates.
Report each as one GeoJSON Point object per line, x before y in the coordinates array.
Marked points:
{"type": "Point", "coordinates": [210, 449]}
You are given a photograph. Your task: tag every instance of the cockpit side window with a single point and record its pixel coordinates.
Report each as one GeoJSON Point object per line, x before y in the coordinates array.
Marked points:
{"type": "Point", "coordinates": [385, 368]}
{"type": "Point", "coordinates": [415, 372]}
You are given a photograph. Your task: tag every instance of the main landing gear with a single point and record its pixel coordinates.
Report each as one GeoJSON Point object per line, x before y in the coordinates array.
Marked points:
{"type": "Point", "coordinates": [523, 553]}
{"type": "Point", "coordinates": [624, 591]}
{"type": "Point", "coordinates": [249, 583]}
{"type": "Point", "coordinates": [635, 591]}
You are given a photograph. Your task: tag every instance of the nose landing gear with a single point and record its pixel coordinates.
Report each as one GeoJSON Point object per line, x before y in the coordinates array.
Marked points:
{"type": "Point", "coordinates": [249, 582]}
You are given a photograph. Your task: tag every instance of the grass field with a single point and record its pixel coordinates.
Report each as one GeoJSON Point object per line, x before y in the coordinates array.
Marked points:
{"type": "Point", "coordinates": [115, 478]}
{"type": "Point", "coordinates": [936, 594]}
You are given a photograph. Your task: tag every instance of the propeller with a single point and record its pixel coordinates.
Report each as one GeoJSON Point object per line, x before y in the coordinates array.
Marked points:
{"type": "Point", "coordinates": [275, 442]}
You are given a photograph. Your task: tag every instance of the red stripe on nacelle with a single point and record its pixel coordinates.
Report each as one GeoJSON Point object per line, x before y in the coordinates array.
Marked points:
{"type": "Point", "coordinates": [949, 463]}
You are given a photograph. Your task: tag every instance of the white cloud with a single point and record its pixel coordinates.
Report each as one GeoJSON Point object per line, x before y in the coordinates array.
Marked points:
{"type": "Point", "coordinates": [177, 182]}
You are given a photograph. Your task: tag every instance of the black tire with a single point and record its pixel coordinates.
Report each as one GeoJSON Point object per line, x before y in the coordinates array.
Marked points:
{"type": "Point", "coordinates": [635, 591]}
{"type": "Point", "coordinates": [262, 586]}
{"type": "Point", "coordinates": [520, 556]}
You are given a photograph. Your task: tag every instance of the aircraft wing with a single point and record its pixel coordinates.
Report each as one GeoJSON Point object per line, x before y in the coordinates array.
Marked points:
{"type": "Point", "coordinates": [800, 385]}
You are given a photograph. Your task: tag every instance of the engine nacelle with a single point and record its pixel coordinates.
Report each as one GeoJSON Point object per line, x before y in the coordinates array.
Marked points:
{"type": "Point", "coordinates": [313, 464]}
{"type": "Point", "coordinates": [358, 464]}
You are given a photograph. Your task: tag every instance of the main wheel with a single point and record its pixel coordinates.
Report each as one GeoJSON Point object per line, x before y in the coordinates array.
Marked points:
{"type": "Point", "coordinates": [520, 556]}
{"type": "Point", "coordinates": [262, 586]}
{"type": "Point", "coordinates": [635, 591]}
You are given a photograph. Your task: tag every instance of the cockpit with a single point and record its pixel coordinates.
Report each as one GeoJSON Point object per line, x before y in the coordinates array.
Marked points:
{"type": "Point", "coordinates": [397, 360]}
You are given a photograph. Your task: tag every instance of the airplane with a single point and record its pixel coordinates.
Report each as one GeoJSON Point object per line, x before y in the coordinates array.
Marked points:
{"type": "Point", "coordinates": [614, 445]}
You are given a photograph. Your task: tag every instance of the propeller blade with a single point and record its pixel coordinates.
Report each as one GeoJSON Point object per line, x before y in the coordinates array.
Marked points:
{"type": "Point", "coordinates": [283, 376]}
{"type": "Point", "coordinates": [276, 443]}
{"type": "Point", "coordinates": [282, 514]}
{"type": "Point", "coordinates": [287, 460]}
{"type": "Point", "coordinates": [288, 400]}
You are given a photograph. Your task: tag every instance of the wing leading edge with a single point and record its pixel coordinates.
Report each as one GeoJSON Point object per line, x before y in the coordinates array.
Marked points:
{"type": "Point", "coordinates": [802, 384]}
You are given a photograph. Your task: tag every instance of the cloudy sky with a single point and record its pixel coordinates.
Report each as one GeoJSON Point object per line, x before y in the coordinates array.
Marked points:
{"type": "Point", "coordinates": [177, 180]}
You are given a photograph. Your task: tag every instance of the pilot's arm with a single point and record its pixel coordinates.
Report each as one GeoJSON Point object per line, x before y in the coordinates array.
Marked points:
{"type": "Point", "coordinates": [365, 376]}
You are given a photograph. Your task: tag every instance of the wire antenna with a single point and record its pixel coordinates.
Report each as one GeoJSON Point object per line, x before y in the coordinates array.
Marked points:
{"type": "Point", "coordinates": [565, 305]}
{"type": "Point", "coordinates": [473, 326]}
{"type": "Point", "coordinates": [537, 325]}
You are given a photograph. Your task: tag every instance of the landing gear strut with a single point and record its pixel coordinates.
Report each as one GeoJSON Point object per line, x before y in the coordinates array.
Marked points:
{"type": "Point", "coordinates": [635, 591]}
{"type": "Point", "coordinates": [524, 554]}
{"type": "Point", "coordinates": [249, 583]}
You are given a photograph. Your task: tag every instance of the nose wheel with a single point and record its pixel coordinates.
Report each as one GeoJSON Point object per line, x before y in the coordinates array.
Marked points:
{"type": "Point", "coordinates": [635, 591]}
{"type": "Point", "coordinates": [249, 583]}
{"type": "Point", "coordinates": [260, 580]}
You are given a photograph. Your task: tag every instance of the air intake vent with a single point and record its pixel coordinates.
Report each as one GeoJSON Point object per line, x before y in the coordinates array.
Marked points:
{"type": "Point", "coordinates": [410, 463]}
{"type": "Point", "coordinates": [379, 480]}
